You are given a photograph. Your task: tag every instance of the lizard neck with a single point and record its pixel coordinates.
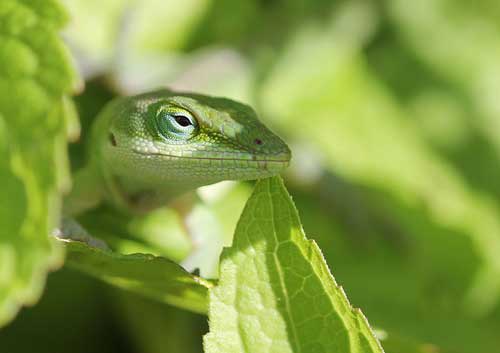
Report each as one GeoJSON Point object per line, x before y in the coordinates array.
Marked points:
{"type": "Point", "coordinates": [133, 196]}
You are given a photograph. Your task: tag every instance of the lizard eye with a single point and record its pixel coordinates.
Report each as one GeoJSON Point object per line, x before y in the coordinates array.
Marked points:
{"type": "Point", "coordinates": [176, 124]}
{"type": "Point", "coordinates": [182, 120]}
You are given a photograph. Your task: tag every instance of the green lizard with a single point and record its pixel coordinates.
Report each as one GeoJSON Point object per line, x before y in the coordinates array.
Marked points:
{"type": "Point", "coordinates": [147, 149]}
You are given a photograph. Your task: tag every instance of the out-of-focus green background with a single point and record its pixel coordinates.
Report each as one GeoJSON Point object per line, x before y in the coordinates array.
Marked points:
{"type": "Point", "coordinates": [392, 110]}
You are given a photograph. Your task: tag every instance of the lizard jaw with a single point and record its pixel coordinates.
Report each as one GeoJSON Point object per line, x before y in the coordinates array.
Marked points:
{"type": "Point", "coordinates": [268, 164]}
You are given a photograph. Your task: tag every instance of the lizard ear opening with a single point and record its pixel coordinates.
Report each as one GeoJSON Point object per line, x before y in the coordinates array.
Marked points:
{"type": "Point", "coordinates": [112, 139]}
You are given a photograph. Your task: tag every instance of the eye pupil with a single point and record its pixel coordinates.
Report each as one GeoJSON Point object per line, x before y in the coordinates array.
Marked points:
{"type": "Point", "coordinates": [182, 120]}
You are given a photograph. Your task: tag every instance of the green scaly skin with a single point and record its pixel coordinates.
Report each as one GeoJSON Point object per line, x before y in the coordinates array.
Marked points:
{"type": "Point", "coordinates": [147, 149]}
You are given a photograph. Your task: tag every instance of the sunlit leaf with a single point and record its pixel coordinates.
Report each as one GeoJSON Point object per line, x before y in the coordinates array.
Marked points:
{"type": "Point", "coordinates": [35, 121]}
{"type": "Point", "coordinates": [465, 48]}
{"type": "Point", "coordinates": [364, 136]}
{"type": "Point", "coordinates": [366, 139]}
{"type": "Point", "coordinates": [276, 293]}
{"type": "Point", "coordinates": [152, 276]}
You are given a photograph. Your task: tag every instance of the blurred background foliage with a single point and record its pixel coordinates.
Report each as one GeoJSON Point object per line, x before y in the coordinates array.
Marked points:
{"type": "Point", "coordinates": [392, 111]}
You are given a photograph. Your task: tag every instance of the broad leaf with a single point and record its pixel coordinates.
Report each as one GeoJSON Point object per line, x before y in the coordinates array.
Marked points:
{"type": "Point", "coordinates": [148, 275]}
{"type": "Point", "coordinates": [276, 293]}
{"type": "Point", "coordinates": [35, 76]}
{"type": "Point", "coordinates": [450, 232]}
{"type": "Point", "coordinates": [465, 48]}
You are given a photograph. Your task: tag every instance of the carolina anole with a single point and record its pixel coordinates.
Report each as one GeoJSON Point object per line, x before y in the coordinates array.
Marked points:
{"type": "Point", "coordinates": [150, 148]}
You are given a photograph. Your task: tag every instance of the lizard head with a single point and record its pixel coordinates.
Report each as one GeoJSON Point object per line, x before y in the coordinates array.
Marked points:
{"type": "Point", "coordinates": [188, 140]}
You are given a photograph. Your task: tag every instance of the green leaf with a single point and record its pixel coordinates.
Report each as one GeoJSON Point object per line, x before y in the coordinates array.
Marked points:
{"type": "Point", "coordinates": [276, 293]}
{"type": "Point", "coordinates": [470, 34]}
{"type": "Point", "coordinates": [152, 276]}
{"type": "Point", "coordinates": [35, 122]}
{"type": "Point", "coordinates": [449, 231]}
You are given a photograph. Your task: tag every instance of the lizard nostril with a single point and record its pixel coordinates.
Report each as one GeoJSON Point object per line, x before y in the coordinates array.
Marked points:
{"type": "Point", "coordinates": [258, 142]}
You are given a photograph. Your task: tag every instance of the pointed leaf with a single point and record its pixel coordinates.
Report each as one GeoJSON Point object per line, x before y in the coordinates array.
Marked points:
{"type": "Point", "coordinates": [276, 293]}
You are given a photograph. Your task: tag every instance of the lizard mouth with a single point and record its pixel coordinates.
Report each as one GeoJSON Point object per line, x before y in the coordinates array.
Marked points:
{"type": "Point", "coordinates": [281, 160]}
